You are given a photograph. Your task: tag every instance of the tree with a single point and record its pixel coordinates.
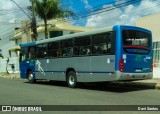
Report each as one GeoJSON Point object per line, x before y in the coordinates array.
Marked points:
{"type": "Point", "coordinates": [50, 9]}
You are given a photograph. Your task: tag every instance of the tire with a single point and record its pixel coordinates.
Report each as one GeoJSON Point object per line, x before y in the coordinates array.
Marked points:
{"type": "Point", "coordinates": [71, 79]}
{"type": "Point", "coordinates": [31, 78]}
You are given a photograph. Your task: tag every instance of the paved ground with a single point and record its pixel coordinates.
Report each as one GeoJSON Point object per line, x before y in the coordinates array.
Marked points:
{"type": "Point", "coordinates": [15, 91]}
{"type": "Point", "coordinates": [18, 91]}
{"type": "Point", "coordinates": [149, 84]}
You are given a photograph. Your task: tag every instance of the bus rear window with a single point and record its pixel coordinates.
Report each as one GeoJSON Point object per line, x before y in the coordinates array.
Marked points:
{"type": "Point", "coordinates": [136, 41]}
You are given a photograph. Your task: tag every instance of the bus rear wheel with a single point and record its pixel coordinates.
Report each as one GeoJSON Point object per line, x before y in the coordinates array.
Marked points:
{"type": "Point", "coordinates": [31, 77]}
{"type": "Point", "coordinates": [71, 79]}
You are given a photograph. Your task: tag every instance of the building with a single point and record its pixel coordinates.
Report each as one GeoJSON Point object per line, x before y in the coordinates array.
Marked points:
{"type": "Point", "coordinates": [152, 22]}
{"type": "Point", "coordinates": [24, 35]}
{"type": "Point", "coordinates": [55, 28]}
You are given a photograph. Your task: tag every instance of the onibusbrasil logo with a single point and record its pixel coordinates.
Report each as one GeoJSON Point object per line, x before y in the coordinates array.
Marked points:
{"type": "Point", "coordinates": [21, 108]}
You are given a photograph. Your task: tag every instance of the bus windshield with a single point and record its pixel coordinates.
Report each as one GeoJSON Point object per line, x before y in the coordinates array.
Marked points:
{"type": "Point", "coordinates": [136, 41]}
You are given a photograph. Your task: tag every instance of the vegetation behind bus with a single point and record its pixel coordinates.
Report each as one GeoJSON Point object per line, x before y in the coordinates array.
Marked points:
{"type": "Point", "coordinates": [49, 9]}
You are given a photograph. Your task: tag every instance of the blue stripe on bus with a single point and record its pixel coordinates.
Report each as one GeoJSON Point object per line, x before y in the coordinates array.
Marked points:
{"type": "Point", "coordinates": [79, 72]}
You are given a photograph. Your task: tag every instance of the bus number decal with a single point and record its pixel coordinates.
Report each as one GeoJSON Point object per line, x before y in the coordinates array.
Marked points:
{"type": "Point", "coordinates": [138, 58]}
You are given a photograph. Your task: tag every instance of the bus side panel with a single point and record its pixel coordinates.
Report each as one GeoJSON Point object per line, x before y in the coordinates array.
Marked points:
{"type": "Point", "coordinates": [103, 63]}
{"type": "Point", "coordinates": [55, 69]}
{"type": "Point", "coordinates": [40, 69]}
{"type": "Point", "coordinates": [102, 69]}
{"type": "Point", "coordinates": [86, 68]}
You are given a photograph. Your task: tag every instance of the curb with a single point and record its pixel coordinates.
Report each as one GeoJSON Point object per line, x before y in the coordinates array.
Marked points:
{"type": "Point", "coordinates": [137, 85]}
{"type": "Point", "coordinates": [11, 76]}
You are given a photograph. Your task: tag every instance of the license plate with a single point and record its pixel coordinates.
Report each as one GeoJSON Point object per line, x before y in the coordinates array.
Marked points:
{"type": "Point", "coordinates": [138, 70]}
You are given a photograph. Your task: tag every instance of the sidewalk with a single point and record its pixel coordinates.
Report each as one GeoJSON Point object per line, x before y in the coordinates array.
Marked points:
{"type": "Point", "coordinates": [154, 81]}
{"type": "Point", "coordinates": [148, 84]}
{"type": "Point", "coordinates": [11, 75]}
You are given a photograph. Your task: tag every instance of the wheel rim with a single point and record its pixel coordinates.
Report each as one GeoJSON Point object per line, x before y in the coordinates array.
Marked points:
{"type": "Point", "coordinates": [71, 80]}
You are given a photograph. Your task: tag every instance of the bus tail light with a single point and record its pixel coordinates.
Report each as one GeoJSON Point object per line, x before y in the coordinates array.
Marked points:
{"type": "Point", "coordinates": [121, 65]}
{"type": "Point", "coordinates": [152, 67]}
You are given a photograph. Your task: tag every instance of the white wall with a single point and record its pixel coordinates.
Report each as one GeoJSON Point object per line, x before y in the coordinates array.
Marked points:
{"type": "Point", "coordinates": [41, 36]}
{"type": "Point", "coordinates": [5, 44]}
{"type": "Point", "coordinates": [156, 72]}
{"type": "Point", "coordinates": [3, 64]}
{"type": "Point", "coordinates": [19, 41]}
{"type": "Point", "coordinates": [66, 32]}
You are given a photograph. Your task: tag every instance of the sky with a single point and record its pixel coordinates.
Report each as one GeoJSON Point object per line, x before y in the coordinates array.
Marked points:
{"type": "Point", "coordinates": [90, 13]}
{"type": "Point", "coordinates": [117, 12]}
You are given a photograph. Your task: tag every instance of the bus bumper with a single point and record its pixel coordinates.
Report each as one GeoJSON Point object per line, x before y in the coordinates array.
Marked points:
{"type": "Point", "coordinates": [133, 76]}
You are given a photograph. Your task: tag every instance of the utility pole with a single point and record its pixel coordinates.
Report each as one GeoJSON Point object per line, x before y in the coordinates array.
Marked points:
{"type": "Point", "coordinates": [33, 19]}
{"type": "Point", "coordinates": [34, 25]}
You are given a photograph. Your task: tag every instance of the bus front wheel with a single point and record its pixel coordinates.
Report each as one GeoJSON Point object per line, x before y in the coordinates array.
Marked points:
{"type": "Point", "coordinates": [31, 77]}
{"type": "Point", "coordinates": [72, 79]}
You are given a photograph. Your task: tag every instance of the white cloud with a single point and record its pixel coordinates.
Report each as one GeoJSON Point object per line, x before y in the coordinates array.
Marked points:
{"type": "Point", "coordinates": [87, 6]}
{"type": "Point", "coordinates": [126, 15]}
{"type": "Point", "coordinates": [9, 7]}
{"type": "Point", "coordinates": [10, 15]}
{"type": "Point", "coordinates": [12, 20]}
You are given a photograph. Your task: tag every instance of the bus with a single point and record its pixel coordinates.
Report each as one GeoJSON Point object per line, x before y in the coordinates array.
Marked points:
{"type": "Point", "coordinates": [107, 54]}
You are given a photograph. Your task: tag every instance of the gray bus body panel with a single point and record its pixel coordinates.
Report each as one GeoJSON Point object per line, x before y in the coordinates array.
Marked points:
{"type": "Point", "coordinates": [88, 69]}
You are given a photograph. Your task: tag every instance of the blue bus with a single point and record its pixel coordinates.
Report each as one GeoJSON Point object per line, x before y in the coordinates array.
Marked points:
{"type": "Point", "coordinates": [106, 54]}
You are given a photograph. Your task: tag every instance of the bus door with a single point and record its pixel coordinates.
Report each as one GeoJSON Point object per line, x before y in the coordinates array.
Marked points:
{"type": "Point", "coordinates": [23, 61]}
{"type": "Point", "coordinates": [137, 54]}
{"type": "Point", "coordinates": [27, 61]}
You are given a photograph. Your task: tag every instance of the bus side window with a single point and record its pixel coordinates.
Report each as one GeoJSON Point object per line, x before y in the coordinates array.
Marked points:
{"type": "Point", "coordinates": [42, 50]}
{"type": "Point", "coordinates": [102, 43]}
{"type": "Point", "coordinates": [82, 46]}
{"type": "Point", "coordinates": [99, 44]}
{"type": "Point", "coordinates": [66, 48]}
{"type": "Point", "coordinates": [32, 52]}
{"type": "Point", "coordinates": [53, 49]}
{"type": "Point", "coordinates": [23, 54]}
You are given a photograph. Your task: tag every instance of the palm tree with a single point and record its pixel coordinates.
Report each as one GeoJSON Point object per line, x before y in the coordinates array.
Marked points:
{"type": "Point", "coordinates": [49, 9]}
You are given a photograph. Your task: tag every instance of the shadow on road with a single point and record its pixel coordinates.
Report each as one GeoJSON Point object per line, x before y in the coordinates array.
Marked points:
{"type": "Point", "coordinates": [108, 87]}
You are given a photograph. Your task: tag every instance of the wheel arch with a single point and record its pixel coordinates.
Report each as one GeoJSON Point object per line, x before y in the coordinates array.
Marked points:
{"type": "Point", "coordinates": [28, 71]}
{"type": "Point", "coordinates": [68, 70]}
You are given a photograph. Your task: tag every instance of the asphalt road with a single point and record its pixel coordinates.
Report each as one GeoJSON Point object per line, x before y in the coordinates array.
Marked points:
{"type": "Point", "coordinates": [20, 92]}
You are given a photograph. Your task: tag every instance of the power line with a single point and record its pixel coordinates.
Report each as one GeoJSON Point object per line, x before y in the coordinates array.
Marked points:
{"type": "Point", "coordinates": [100, 9]}
{"type": "Point", "coordinates": [108, 9]}
{"type": "Point", "coordinates": [6, 10]}
{"type": "Point", "coordinates": [22, 10]}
